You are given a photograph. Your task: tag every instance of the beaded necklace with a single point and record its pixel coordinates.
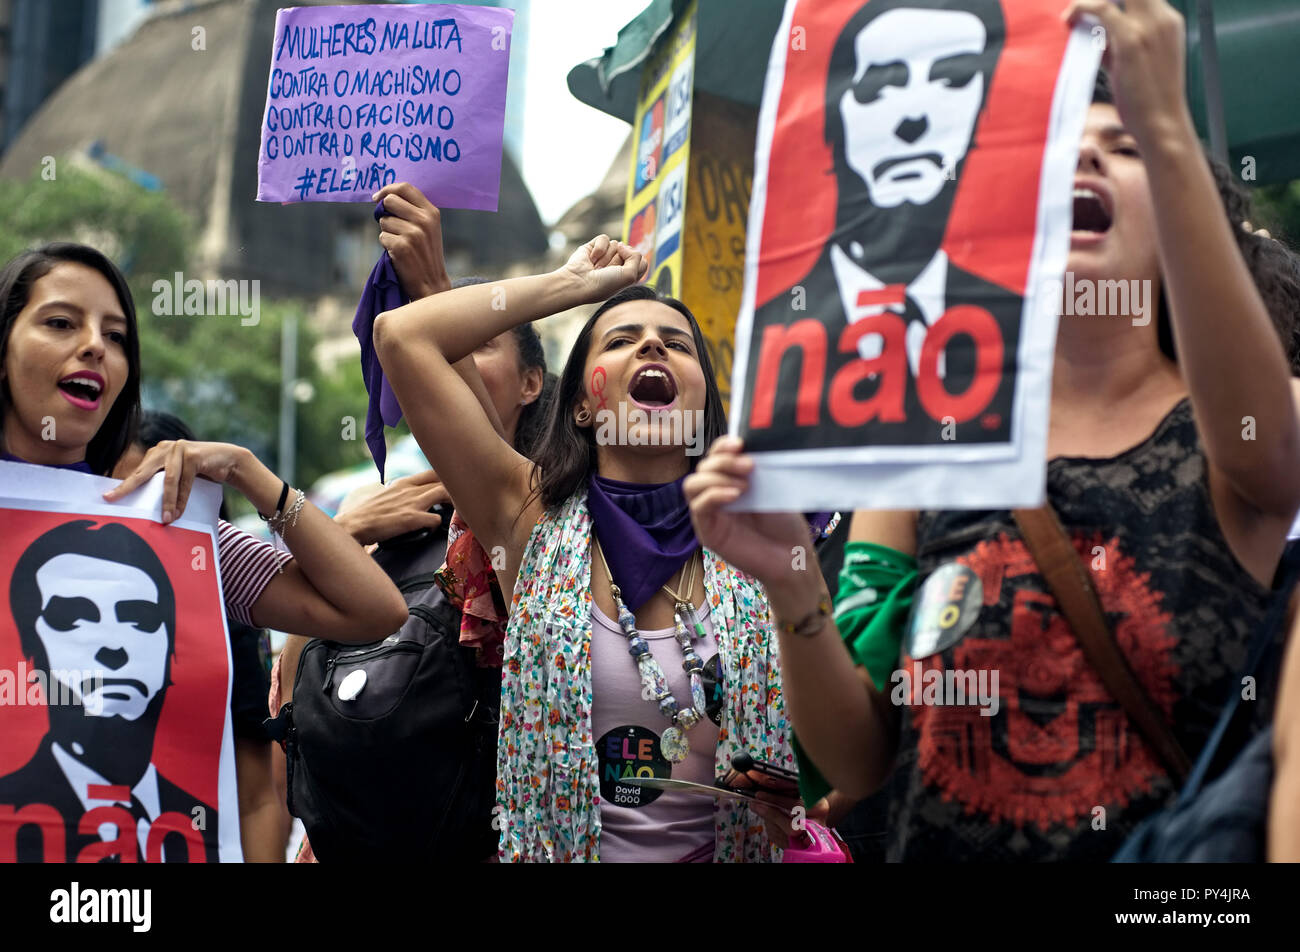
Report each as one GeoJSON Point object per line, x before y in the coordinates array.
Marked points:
{"type": "Point", "coordinates": [654, 685]}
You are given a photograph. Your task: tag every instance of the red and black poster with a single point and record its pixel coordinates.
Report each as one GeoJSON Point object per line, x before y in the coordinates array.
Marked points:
{"type": "Point", "coordinates": [910, 217]}
{"type": "Point", "coordinates": [114, 676]}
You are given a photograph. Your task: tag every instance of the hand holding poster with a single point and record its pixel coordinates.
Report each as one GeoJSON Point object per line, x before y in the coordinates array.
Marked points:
{"type": "Point", "coordinates": [364, 96]}
{"type": "Point", "coordinates": [114, 675]}
{"type": "Point", "coordinates": [910, 217]}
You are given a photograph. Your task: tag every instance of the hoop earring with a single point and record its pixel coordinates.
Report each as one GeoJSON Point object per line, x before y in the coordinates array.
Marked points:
{"type": "Point", "coordinates": [582, 417]}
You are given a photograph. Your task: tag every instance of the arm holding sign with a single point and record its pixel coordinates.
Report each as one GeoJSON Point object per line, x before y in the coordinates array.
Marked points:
{"type": "Point", "coordinates": [411, 233]}
{"type": "Point", "coordinates": [1228, 351]}
{"type": "Point", "coordinates": [839, 723]}
{"type": "Point", "coordinates": [419, 344]}
{"type": "Point", "coordinates": [331, 588]}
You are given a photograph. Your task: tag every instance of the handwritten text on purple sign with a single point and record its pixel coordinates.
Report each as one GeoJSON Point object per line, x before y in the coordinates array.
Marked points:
{"type": "Point", "coordinates": [361, 97]}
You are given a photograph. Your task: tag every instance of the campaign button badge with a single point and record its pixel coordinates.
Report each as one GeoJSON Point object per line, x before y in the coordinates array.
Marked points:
{"type": "Point", "coordinates": [946, 605]}
{"type": "Point", "coordinates": [630, 751]}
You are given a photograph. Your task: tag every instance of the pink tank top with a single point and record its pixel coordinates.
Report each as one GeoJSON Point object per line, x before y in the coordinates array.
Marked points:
{"type": "Point", "coordinates": [643, 825]}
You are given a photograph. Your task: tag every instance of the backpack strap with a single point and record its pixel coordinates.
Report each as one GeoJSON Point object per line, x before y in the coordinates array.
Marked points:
{"type": "Point", "coordinates": [1289, 570]}
{"type": "Point", "coordinates": [1070, 582]}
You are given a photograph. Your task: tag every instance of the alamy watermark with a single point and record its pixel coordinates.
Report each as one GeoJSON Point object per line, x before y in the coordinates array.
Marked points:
{"type": "Point", "coordinates": [638, 427]}
{"type": "Point", "coordinates": [32, 687]}
{"type": "Point", "coordinates": [75, 905]}
{"type": "Point", "coordinates": [946, 688]}
{"type": "Point", "coordinates": [1086, 297]}
{"type": "Point", "coordinates": [211, 298]}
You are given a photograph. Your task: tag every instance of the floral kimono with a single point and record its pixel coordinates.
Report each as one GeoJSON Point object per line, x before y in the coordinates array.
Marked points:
{"type": "Point", "coordinates": [548, 787]}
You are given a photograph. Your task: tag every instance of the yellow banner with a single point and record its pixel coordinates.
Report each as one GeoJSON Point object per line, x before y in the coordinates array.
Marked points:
{"type": "Point", "coordinates": [721, 176]}
{"type": "Point", "coordinates": [654, 214]}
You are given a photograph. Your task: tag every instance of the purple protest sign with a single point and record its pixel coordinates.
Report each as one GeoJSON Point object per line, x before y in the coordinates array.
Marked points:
{"type": "Point", "coordinates": [363, 96]}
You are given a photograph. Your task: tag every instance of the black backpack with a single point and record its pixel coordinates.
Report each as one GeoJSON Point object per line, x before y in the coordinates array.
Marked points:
{"type": "Point", "coordinates": [1224, 821]}
{"type": "Point", "coordinates": [391, 746]}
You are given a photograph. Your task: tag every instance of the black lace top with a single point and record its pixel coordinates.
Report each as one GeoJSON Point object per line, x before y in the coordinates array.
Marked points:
{"type": "Point", "coordinates": [1037, 761]}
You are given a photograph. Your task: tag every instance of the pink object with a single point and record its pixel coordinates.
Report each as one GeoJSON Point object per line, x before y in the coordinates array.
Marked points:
{"type": "Point", "coordinates": [823, 846]}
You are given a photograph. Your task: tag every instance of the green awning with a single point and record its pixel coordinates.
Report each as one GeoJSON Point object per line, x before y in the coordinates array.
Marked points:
{"type": "Point", "coordinates": [1258, 42]}
{"type": "Point", "coordinates": [732, 46]}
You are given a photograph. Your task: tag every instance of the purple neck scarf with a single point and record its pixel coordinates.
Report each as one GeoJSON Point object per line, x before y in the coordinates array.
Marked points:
{"type": "Point", "coordinates": [81, 467]}
{"type": "Point", "coordinates": [644, 530]}
{"type": "Point", "coordinates": [383, 292]}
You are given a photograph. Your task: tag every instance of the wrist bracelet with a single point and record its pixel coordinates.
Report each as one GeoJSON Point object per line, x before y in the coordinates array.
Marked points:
{"type": "Point", "coordinates": [278, 511]}
{"type": "Point", "coordinates": [287, 519]}
{"type": "Point", "coordinates": [811, 623]}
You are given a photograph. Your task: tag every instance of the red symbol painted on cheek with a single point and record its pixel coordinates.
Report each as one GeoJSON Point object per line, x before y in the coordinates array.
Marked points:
{"type": "Point", "coordinates": [598, 386]}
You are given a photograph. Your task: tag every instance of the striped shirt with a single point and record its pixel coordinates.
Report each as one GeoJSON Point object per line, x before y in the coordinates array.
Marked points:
{"type": "Point", "coordinates": [247, 566]}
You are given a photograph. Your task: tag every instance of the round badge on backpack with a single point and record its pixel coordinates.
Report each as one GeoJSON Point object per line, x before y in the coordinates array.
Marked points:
{"type": "Point", "coordinates": [352, 685]}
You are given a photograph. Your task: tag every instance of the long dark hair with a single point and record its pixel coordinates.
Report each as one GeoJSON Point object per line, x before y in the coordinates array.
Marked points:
{"type": "Point", "coordinates": [117, 432]}
{"type": "Point", "coordinates": [1274, 269]}
{"type": "Point", "coordinates": [532, 418]}
{"type": "Point", "coordinates": [532, 355]}
{"type": "Point", "coordinates": [566, 456]}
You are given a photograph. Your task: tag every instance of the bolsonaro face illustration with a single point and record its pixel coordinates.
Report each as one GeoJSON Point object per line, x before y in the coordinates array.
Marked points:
{"type": "Point", "coordinates": [95, 609]}
{"type": "Point", "coordinates": [908, 121]}
{"type": "Point", "coordinates": [104, 616]}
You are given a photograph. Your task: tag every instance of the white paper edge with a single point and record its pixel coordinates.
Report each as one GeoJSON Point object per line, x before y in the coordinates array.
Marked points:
{"type": "Point", "coordinates": [979, 478]}
{"type": "Point", "coordinates": [49, 489]}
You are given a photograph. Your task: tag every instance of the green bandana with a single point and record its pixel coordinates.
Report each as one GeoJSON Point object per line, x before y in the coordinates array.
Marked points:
{"type": "Point", "coordinates": [871, 612]}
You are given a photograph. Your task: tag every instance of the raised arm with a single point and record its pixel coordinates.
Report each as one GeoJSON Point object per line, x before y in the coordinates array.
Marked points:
{"type": "Point", "coordinates": [418, 344]}
{"type": "Point", "coordinates": [842, 724]}
{"type": "Point", "coordinates": [1228, 350]}
{"type": "Point", "coordinates": [411, 233]}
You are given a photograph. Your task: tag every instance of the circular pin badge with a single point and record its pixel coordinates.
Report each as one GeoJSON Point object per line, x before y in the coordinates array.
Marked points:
{"type": "Point", "coordinates": [627, 752]}
{"type": "Point", "coordinates": [352, 685]}
{"type": "Point", "coordinates": [945, 607]}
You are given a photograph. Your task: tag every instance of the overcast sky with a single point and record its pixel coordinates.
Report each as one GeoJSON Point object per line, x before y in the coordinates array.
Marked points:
{"type": "Point", "coordinates": [568, 145]}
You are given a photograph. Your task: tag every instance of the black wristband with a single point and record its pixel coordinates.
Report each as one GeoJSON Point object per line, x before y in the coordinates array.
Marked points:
{"type": "Point", "coordinates": [279, 506]}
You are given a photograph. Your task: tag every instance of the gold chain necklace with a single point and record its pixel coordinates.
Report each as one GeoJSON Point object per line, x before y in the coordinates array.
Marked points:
{"type": "Point", "coordinates": [688, 578]}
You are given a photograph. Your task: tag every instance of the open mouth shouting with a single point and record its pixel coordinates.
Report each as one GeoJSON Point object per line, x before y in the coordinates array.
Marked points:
{"type": "Point", "coordinates": [653, 388]}
{"type": "Point", "coordinates": [82, 389]}
{"type": "Point", "coordinates": [1093, 215]}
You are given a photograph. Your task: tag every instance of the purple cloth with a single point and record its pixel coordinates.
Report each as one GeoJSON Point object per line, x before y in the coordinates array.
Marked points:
{"type": "Point", "coordinates": [818, 521]}
{"type": "Point", "coordinates": [81, 467]}
{"type": "Point", "coordinates": [644, 530]}
{"type": "Point", "coordinates": [383, 292]}
{"type": "Point", "coordinates": [433, 77]}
